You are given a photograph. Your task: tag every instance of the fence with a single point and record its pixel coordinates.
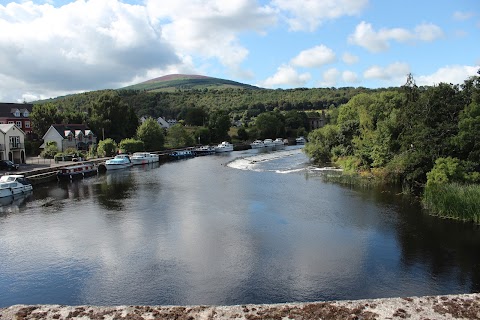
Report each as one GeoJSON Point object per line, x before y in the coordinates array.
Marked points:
{"type": "Point", "coordinates": [39, 160]}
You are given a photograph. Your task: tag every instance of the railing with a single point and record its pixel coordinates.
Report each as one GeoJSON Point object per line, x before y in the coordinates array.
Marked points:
{"type": "Point", "coordinates": [16, 146]}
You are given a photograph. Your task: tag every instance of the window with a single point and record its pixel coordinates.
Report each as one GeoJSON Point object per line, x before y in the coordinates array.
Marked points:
{"type": "Point", "coordinates": [26, 113]}
{"type": "Point", "coordinates": [18, 124]}
{"type": "Point", "coordinates": [69, 137]}
{"type": "Point", "coordinates": [2, 122]}
{"type": "Point", "coordinates": [9, 122]}
{"type": "Point", "coordinates": [27, 124]}
{"type": "Point", "coordinates": [14, 142]}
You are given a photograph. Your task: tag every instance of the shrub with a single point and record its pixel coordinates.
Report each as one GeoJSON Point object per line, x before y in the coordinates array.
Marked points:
{"type": "Point", "coordinates": [131, 145]}
{"type": "Point", "coordinates": [107, 147]}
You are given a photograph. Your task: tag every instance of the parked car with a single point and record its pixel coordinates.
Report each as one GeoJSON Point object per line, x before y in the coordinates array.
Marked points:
{"type": "Point", "coordinates": [8, 165]}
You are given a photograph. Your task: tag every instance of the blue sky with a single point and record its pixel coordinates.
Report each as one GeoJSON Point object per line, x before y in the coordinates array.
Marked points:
{"type": "Point", "coordinates": [50, 48]}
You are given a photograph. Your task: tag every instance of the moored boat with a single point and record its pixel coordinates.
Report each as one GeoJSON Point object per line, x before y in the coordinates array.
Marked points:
{"type": "Point", "coordinates": [182, 154]}
{"type": "Point", "coordinates": [120, 161]}
{"type": "Point", "coordinates": [11, 185]}
{"type": "Point", "coordinates": [204, 150]}
{"type": "Point", "coordinates": [257, 144]}
{"type": "Point", "coordinates": [300, 140]}
{"type": "Point", "coordinates": [225, 146]}
{"type": "Point", "coordinates": [279, 142]}
{"type": "Point", "coordinates": [144, 158]}
{"type": "Point", "coordinates": [77, 171]}
{"type": "Point", "coordinates": [268, 143]}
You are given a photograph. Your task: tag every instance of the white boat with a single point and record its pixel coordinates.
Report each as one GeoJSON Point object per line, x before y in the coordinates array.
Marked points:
{"type": "Point", "coordinates": [11, 185]}
{"type": "Point", "coordinates": [144, 158]}
{"type": "Point", "coordinates": [225, 146]}
{"type": "Point", "coordinates": [300, 140]}
{"type": "Point", "coordinates": [279, 142]}
{"type": "Point", "coordinates": [268, 143]}
{"type": "Point", "coordinates": [120, 161]}
{"type": "Point", "coordinates": [257, 144]}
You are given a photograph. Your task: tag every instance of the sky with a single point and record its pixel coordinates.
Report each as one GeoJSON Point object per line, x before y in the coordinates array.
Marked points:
{"type": "Point", "coordinates": [50, 48]}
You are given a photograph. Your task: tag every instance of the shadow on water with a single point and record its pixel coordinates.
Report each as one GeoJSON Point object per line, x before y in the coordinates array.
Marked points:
{"type": "Point", "coordinates": [114, 188]}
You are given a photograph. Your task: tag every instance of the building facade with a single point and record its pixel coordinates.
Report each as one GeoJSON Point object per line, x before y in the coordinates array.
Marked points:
{"type": "Point", "coordinates": [17, 114]}
{"type": "Point", "coordinates": [76, 136]}
{"type": "Point", "coordinates": [12, 143]}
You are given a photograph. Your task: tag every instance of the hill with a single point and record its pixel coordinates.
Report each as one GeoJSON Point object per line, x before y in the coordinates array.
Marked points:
{"type": "Point", "coordinates": [176, 82]}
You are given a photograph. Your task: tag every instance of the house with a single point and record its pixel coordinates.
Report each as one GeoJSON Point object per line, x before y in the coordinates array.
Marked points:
{"type": "Point", "coordinates": [317, 122]}
{"type": "Point", "coordinates": [164, 124]}
{"type": "Point", "coordinates": [12, 143]}
{"type": "Point", "coordinates": [18, 114]}
{"type": "Point", "coordinates": [77, 136]}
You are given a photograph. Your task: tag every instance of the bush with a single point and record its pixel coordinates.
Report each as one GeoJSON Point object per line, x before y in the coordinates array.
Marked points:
{"type": "Point", "coordinates": [452, 170]}
{"type": "Point", "coordinates": [131, 145]}
{"type": "Point", "coordinates": [50, 150]}
{"type": "Point", "coordinates": [106, 148]}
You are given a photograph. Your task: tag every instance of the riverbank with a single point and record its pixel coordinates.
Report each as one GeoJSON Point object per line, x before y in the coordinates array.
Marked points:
{"type": "Point", "coordinates": [465, 306]}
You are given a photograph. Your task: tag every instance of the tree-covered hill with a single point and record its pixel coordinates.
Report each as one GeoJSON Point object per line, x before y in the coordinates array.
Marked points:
{"type": "Point", "coordinates": [176, 82]}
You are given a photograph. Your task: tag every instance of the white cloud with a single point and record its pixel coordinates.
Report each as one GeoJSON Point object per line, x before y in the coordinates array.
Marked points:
{"type": "Point", "coordinates": [377, 41]}
{"type": "Point", "coordinates": [428, 32]}
{"type": "Point", "coordinates": [393, 72]}
{"type": "Point", "coordinates": [286, 76]}
{"type": "Point", "coordinates": [309, 14]}
{"type": "Point", "coordinates": [350, 77]}
{"type": "Point", "coordinates": [210, 28]}
{"type": "Point", "coordinates": [330, 78]}
{"type": "Point", "coordinates": [79, 46]}
{"type": "Point", "coordinates": [455, 74]}
{"type": "Point", "coordinates": [349, 58]}
{"type": "Point", "coordinates": [461, 16]}
{"type": "Point", "coordinates": [314, 57]}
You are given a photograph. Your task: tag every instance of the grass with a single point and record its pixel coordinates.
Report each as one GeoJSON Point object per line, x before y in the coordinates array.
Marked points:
{"type": "Point", "coordinates": [454, 201]}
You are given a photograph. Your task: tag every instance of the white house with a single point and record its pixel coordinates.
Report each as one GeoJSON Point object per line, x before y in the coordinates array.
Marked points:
{"type": "Point", "coordinates": [65, 136]}
{"type": "Point", "coordinates": [12, 143]}
{"type": "Point", "coordinates": [163, 123]}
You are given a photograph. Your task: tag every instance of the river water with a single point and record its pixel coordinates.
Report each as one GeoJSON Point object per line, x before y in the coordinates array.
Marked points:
{"type": "Point", "coordinates": [237, 228]}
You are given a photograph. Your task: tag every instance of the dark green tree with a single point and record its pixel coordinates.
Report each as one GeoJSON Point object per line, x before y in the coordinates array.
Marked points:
{"type": "Point", "coordinates": [43, 116]}
{"type": "Point", "coordinates": [151, 134]}
{"type": "Point", "coordinates": [219, 125]}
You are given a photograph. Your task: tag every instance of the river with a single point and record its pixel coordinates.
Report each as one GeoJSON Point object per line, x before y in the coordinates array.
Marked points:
{"type": "Point", "coordinates": [236, 228]}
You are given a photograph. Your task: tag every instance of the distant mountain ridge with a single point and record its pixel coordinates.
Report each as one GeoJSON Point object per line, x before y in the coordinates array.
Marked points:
{"type": "Point", "coordinates": [174, 82]}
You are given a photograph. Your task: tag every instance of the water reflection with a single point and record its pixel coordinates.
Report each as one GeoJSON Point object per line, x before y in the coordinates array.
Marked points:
{"type": "Point", "coordinates": [202, 232]}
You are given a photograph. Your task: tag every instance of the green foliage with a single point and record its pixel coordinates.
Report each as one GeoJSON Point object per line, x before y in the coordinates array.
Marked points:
{"type": "Point", "coordinates": [320, 143]}
{"type": "Point", "coordinates": [202, 135]}
{"type": "Point", "coordinates": [50, 150]}
{"type": "Point", "coordinates": [270, 125]}
{"type": "Point", "coordinates": [151, 134]}
{"type": "Point", "coordinates": [107, 148]}
{"type": "Point", "coordinates": [43, 116]}
{"type": "Point", "coordinates": [178, 136]}
{"type": "Point", "coordinates": [451, 169]}
{"type": "Point", "coordinates": [242, 134]}
{"type": "Point", "coordinates": [195, 116]}
{"type": "Point", "coordinates": [111, 117]}
{"type": "Point", "coordinates": [219, 125]}
{"type": "Point", "coordinates": [131, 145]}
{"type": "Point", "coordinates": [453, 200]}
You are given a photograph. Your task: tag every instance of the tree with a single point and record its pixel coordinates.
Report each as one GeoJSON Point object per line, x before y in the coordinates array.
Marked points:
{"type": "Point", "coordinates": [106, 148]}
{"type": "Point", "coordinates": [131, 145]}
{"type": "Point", "coordinates": [113, 118]}
{"type": "Point", "coordinates": [320, 143]}
{"type": "Point", "coordinates": [179, 137]}
{"type": "Point", "coordinates": [43, 116]}
{"type": "Point", "coordinates": [151, 133]}
{"type": "Point", "coordinates": [269, 125]}
{"type": "Point", "coordinates": [202, 135]}
{"type": "Point", "coordinates": [195, 117]}
{"type": "Point", "coordinates": [219, 125]}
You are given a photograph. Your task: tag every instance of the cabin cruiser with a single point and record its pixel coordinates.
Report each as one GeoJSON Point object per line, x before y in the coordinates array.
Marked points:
{"type": "Point", "coordinates": [257, 144]}
{"type": "Point", "coordinates": [144, 158]}
{"type": "Point", "coordinates": [204, 150]}
{"type": "Point", "coordinates": [120, 161]}
{"type": "Point", "coordinates": [78, 171]}
{"type": "Point", "coordinates": [300, 140]}
{"type": "Point", "coordinates": [268, 143]}
{"type": "Point", "coordinates": [11, 185]}
{"type": "Point", "coordinates": [279, 142]}
{"type": "Point", "coordinates": [225, 146]}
